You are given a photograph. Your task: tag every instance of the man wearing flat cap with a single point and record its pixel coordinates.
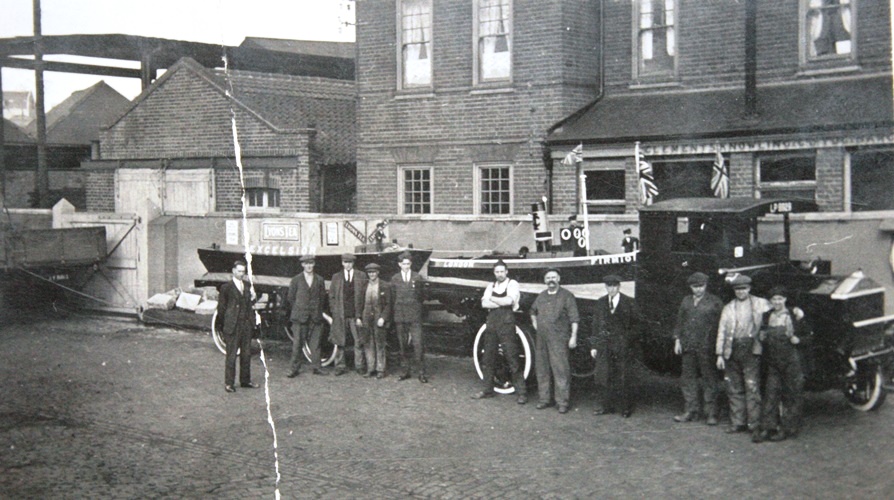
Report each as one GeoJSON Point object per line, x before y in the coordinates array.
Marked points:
{"type": "Point", "coordinates": [612, 342]}
{"type": "Point", "coordinates": [307, 301]}
{"type": "Point", "coordinates": [346, 293]}
{"type": "Point", "coordinates": [784, 381]}
{"type": "Point", "coordinates": [376, 316]}
{"type": "Point", "coordinates": [695, 338]}
{"type": "Point", "coordinates": [738, 352]}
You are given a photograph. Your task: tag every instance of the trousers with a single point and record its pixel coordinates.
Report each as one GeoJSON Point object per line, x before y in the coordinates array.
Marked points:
{"type": "Point", "coordinates": [742, 377]}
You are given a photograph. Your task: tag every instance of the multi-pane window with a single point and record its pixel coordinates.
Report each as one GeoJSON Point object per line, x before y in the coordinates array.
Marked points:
{"type": "Point", "coordinates": [416, 190]}
{"type": "Point", "coordinates": [494, 190]}
{"type": "Point", "coordinates": [262, 197]}
{"type": "Point", "coordinates": [683, 178]}
{"type": "Point", "coordinates": [828, 29]}
{"type": "Point", "coordinates": [605, 190]}
{"type": "Point", "coordinates": [655, 43]}
{"type": "Point", "coordinates": [494, 41]}
{"type": "Point", "coordinates": [787, 176]}
{"type": "Point", "coordinates": [415, 42]}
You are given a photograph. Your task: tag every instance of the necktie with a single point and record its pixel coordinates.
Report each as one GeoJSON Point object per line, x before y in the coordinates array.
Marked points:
{"type": "Point", "coordinates": [406, 277]}
{"type": "Point", "coordinates": [611, 302]}
{"type": "Point", "coordinates": [348, 276]}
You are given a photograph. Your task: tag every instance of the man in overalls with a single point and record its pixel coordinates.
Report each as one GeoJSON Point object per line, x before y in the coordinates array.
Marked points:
{"type": "Point", "coordinates": [501, 301]}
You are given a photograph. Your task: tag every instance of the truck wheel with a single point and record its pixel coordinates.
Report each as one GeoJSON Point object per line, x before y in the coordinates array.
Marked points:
{"type": "Point", "coordinates": [502, 377]}
{"type": "Point", "coordinates": [864, 391]}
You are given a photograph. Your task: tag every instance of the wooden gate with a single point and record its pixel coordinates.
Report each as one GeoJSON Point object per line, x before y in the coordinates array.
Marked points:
{"type": "Point", "coordinates": [116, 285]}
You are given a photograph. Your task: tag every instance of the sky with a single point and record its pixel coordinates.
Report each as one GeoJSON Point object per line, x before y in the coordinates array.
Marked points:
{"type": "Point", "coordinates": [226, 22]}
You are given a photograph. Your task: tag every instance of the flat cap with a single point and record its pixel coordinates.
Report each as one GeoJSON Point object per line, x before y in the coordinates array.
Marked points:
{"type": "Point", "coordinates": [372, 266]}
{"type": "Point", "coordinates": [404, 255]}
{"type": "Point", "coordinates": [697, 279]}
{"type": "Point", "coordinates": [348, 257]}
{"type": "Point", "coordinates": [612, 279]}
{"type": "Point", "coordinates": [778, 290]}
{"type": "Point", "coordinates": [740, 281]}
{"type": "Point", "coordinates": [307, 258]}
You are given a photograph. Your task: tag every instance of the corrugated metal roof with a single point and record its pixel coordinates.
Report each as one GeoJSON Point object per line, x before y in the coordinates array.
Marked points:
{"type": "Point", "coordinates": [802, 106]}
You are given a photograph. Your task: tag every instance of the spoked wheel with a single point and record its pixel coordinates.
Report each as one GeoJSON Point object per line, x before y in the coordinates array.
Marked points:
{"type": "Point", "coordinates": [502, 376]}
{"type": "Point", "coordinates": [219, 340]}
{"type": "Point", "coordinates": [328, 350]}
{"type": "Point", "coordinates": [582, 364]}
{"type": "Point", "coordinates": [864, 391]}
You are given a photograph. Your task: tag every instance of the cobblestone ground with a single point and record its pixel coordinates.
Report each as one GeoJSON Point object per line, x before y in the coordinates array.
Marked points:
{"type": "Point", "coordinates": [108, 408]}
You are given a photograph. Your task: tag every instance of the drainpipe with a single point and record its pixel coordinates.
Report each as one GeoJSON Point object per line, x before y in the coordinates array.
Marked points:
{"type": "Point", "coordinates": [750, 59]}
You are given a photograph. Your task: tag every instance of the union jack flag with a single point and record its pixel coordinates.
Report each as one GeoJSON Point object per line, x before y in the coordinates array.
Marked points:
{"type": "Point", "coordinates": [647, 188]}
{"type": "Point", "coordinates": [574, 157]}
{"type": "Point", "coordinates": [720, 177]}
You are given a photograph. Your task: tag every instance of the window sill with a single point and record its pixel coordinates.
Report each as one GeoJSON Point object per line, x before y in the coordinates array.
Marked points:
{"type": "Point", "coordinates": [809, 71]}
{"type": "Point", "coordinates": [654, 85]}
{"type": "Point", "coordinates": [263, 210]}
{"type": "Point", "coordinates": [486, 90]}
{"type": "Point", "coordinates": [414, 94]}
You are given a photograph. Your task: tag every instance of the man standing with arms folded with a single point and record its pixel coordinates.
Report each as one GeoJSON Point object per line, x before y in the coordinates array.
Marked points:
{"type": "Point", "coordinates": [307, 296]}
{"type": "Point", "coordinates": [346, 294]}
{"type": "Point", "coordinates": [407, 288]}
{"type": "Point", "coordinates": [554, 315]}
{"type": "Point", "coordinates": [237, 319]}
{"type": "Point", "coordinates": [501, 301]}
{"type": "Point", "coordinates": [695, 338]}
{"type": "Point", "coordinates": [377, 309]}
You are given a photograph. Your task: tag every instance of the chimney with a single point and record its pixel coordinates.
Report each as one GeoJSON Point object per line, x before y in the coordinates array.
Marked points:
{"type": "Point", "coordinates": [750, 59]}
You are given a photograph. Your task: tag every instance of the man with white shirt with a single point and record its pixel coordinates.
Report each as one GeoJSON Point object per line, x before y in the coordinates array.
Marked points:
{"type": "Point", "coordinates": [346, 294]}
{"type": "Point", "coordinates": [407, 287]}
{"type": "Point", "coordinates": [235, 318]}
{"type": "Point", "coordinates": [501, 301]}
{"type": "Point", "coordinates": [554, 315]}
{"type": "Point", "coordinates": [307, 301]}
{"type": "Point", "coordinates": [612, 342]}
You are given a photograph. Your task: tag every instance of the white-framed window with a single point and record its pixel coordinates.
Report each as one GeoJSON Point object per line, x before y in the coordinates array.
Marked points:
{"type": "Point", "coordinates": [787, 176]}
{"type": "Point", "coordinates": [493, 194]}
{"type": "Point", "coordinates": [415, 190]}
{"type": "Point", "coordinates": [655, 39]}
{"type": "Point", "coordinates": [605, 188]}
{"type": "Point", "coordinates": [828, 32]}
{"type": "Point", "coordinates": [414, 43]}
{"type": "Point", "coordinates": [262, 197]}
{"type": "Point", "coordinates": [493, 40]}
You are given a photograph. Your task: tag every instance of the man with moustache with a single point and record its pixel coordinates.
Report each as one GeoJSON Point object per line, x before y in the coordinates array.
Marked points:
{"type": "Point", "coordinates": [346, 294]}
{"type": "Point", "coordinates": [555, 318]}
{"type": "Point", "coordinates": [376, 315]}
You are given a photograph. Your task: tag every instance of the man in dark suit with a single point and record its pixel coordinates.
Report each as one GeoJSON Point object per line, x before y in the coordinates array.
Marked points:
{"type": "Point", "coordinates": [611, 343]}
{"type": "Point", "coordinates": [630, 243]}
{"type": "Point", "coordinates": [346, 292]}
{"type": "Point", "coordinates": [235, 318]}
{"type": "Point", "coordinates": [407, 286]}
{"type": "Point", "coordinates": [307, 297]}
{"type": "Point", "coordinates": [378, 305]}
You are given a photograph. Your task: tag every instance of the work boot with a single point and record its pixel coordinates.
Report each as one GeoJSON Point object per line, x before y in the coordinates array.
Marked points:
{"type": "Point", "coordinates": [780, 435]}
{"type": "Point", "coordinates": [712, 419]}
{"type": "Point", "coordinates": [757, 436]}
{"type": "Point", "coordinates": [732, 429]}
{"type": "Point", "coordinates": [688, 416]}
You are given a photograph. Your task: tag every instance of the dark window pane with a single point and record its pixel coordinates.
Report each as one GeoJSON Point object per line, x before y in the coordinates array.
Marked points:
{"type": "Point", "coordinates": [799, 168]}
{"type": "Point", "coordinates": [605, 184]}
{"type": "Point", "coordinates": [872, 181]}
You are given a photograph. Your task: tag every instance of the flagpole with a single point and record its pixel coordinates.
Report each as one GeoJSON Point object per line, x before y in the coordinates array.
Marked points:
{"type": "Point", "coordinates": [583, 206]}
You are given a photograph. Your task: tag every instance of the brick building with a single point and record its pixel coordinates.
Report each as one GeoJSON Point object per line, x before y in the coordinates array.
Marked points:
{"type": "Point", "coordinates": [175, 144]}
{"type": "Point", "coordinates": [468, 107]}
{"type": "Point", "coordinates": [455, 99]}
{"type": "Point", "coordinates": [799, 103]}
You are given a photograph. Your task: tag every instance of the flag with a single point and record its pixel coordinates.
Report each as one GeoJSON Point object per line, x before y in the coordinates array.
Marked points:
{"type": "Point", "coordinates": [720, 177]}
{"type": "Point", "coordinates": [574, 157]}
{"type": "Point", "coordinates": [647, 188]}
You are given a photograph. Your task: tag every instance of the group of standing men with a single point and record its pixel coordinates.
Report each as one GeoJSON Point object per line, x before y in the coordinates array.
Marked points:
{"type": "Point", "coordinates": [753, 341]}
{"type": "Point", "coordinates": [365, 305]}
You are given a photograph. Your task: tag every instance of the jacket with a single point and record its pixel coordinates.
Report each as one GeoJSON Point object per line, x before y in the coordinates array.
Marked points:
{"type": "Point", "coordinates": [337, 305]}
{"type": "Point", "coordinates": [234, 311]}
{"type": "Point", "coordinates": [307, 302]}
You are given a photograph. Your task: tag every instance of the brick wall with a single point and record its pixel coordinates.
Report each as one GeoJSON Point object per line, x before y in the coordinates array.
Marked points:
{"type": "Point", "coordinates": [455, 125]}
{"type": "Point", "coordinates": [100, 188]}
{"type": "Point", "coordinates": [830, 179]}
{"type": "Point", "coordinates": [741, 175]}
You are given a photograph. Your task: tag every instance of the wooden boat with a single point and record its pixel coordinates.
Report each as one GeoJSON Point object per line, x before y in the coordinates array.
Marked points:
{"type": "Point", "coordinates": [218, 261]}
